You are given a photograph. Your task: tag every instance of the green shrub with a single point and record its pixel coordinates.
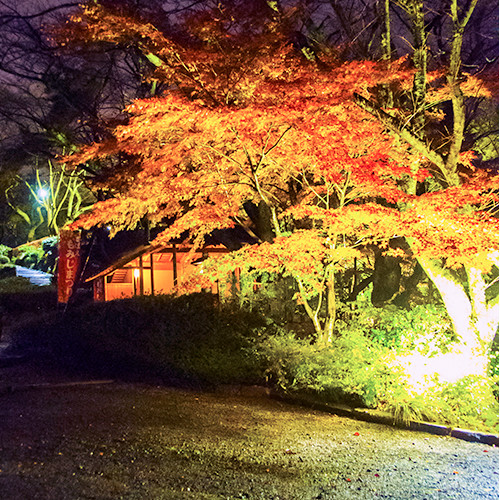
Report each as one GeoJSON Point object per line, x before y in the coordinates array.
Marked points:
{"type": "Point", "coordinates": [4, 255]}
{"type": "Point", "coordinates": [356, 370]}
{"type": "Point", "coordinates": [18, 295]}
{"type": "Point", "coordinates": [5, 251]}
{"type": "Point", "coordinates": [15, 284]}
{"type": "Point", "coordinates": [425, 328]}
{"type": "Point", "coordinates": [50, 252]}
{"type": "Point", "coordinates": [29, 256]}
{"type": "Point", "coordinates": [468, 403]}
{"type": "Point", "coordinates": [406, 407]}
{"type": "Point", "coordinates": [347, 371]}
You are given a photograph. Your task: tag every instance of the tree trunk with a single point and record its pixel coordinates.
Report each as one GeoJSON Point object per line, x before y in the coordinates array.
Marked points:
{"type": "Point", "coordinates": [416, 11]}
{"type": "Point", "coordinates": [386, 31]}
{"type": "Point", "coordinates": [474, 320]}
{"type": "Point", "coordinates": [457, 98]}
{"type": "Point", "coordinates": [386, 279]}
{"type": "Point", "coordinates": [386, 95]}
{"type": "Point", "coordinates": [312, 313]}
{"type": "Point", "coordinates": [485, 314]}
{"type": "Point", "coordinates": [331, 308]}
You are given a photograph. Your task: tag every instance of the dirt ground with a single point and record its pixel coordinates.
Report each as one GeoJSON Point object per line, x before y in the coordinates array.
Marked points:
{"type": "Point", "coordinates": [135, 441]}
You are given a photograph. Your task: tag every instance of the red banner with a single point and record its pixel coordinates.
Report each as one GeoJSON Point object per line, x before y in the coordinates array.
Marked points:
{"type": "Point", "coordinates": [69, 262]}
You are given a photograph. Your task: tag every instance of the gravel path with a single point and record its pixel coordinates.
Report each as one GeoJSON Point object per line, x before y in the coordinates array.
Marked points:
{"type": "Point", "coordinates": [134, 441]}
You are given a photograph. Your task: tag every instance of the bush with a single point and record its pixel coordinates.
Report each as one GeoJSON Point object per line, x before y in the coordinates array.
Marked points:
{"type": "Point", "coordinates": [468, 403]}
{"type": "Point", "coordinates": [4, 257]}
{"type": "Point", "coordinates": [29, 256]}
{"type": "Point", "coordinates": [19, 295]}
{"type": "Point", "coordinates": [186, 337]}
{"type": "Point", "coordinates": [50, 254]}
{"type": "Point", "coordinates": [43, 257]}
{"type": "Point", "coordinates": [5, 252]}
{"type": "Point", "coordinates": [425, 329]}
{"type": "Point", "coordinates": [347, 371]}
{"type": "Point", "coordinates": [358, 371]}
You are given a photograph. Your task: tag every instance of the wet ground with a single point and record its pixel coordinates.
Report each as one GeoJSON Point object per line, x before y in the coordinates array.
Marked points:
{"type": "Point", "coordinates": [136, 441]}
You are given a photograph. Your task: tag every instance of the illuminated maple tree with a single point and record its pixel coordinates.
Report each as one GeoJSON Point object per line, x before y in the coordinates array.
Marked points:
{"type": "Point", "coordinates": [455, 216]}
{"type": "Point", "coordinates": [249, 121]}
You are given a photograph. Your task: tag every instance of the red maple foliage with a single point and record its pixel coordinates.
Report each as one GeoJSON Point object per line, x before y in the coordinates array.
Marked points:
{"type": "Point", "coordinates": [252, 120]}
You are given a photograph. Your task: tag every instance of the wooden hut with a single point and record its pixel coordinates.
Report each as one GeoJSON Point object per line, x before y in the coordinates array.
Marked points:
{"type": "Point", "coordinates": [150, 270]}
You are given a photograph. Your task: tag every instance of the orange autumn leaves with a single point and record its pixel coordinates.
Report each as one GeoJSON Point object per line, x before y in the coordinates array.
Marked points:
{"type": "Point", "coordinates": [199, 165]}
{"type": "Point", "coordinates": [333, 179]}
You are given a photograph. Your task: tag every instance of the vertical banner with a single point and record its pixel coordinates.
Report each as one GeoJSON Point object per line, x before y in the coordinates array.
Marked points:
{"type": "Point", "coordinates": [69, 262]}
{"type": "Point", "coordinates": [98, 286]}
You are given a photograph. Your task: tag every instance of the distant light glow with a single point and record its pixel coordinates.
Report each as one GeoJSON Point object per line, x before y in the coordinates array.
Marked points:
{"type": "Point", "coordinates": [43, 193]}
{"type": "Point", "coordinates": [137, 273]}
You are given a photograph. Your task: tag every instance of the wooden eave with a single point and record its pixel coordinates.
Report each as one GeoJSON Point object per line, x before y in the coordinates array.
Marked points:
{"type": "Point", "coordinates": [145, 250]}
{"type": "Point", "coordinates": [125, 259]}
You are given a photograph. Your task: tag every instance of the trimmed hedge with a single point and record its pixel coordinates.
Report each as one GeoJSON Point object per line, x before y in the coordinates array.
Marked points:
{"type": "Point", "coordinates": [18, 296]}
{"type": "Point", "coordinates": [6, 270]}
{"type": "Point", "coordinates": [186, 338]}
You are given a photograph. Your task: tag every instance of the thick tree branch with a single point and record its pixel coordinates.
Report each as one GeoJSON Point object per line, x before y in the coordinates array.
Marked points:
{"type": "Point", "coordinates": [394, 125]}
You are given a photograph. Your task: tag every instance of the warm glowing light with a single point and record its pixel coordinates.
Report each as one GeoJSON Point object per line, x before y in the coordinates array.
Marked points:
{"type": "Point", "coordinates": [423, 372]}
{"type": "Point", "coordinates": [137, 273]}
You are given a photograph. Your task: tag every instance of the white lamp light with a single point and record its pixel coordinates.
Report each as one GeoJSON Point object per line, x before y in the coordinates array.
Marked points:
{"type": "Point", "coordinates": [43, 193]}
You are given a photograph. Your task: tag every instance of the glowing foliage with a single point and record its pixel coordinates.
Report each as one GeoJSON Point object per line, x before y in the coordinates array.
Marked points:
{"type": "Point", "coordinates": [249, 120]}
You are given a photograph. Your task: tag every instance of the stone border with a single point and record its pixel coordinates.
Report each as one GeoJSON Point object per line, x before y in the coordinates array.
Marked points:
{"type": "Point", "coordinates": [374, 416]}
{"type": "Point", "coordinates": [387, 419]}
{"type": "Point", "coordinates": [366, 415]}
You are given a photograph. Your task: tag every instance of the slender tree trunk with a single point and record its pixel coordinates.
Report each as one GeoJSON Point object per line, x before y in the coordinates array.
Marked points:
{"type": "Point", "coordinates": [457, 97]}
{"type": "Point", "coordinates": [416, 11]}
{"type": "Point", "coordinates": [326, 335]}
{"type": "Point", "coordinates": [323, 327]}
{"type": "Point", "coordinates": [313, 314]}
{"type": "Point", "coordinates": [387, 96]}
{"type": "Point", "coordinates": [386, 32]}
{"type": "Point", "coordinates": [418, 119]}
{"type": "Point", "coordinates": [485, 313]}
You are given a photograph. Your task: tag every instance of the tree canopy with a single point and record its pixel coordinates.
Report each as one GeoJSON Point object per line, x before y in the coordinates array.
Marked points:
{"type": "Point", "coordinates": [297, 147]}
